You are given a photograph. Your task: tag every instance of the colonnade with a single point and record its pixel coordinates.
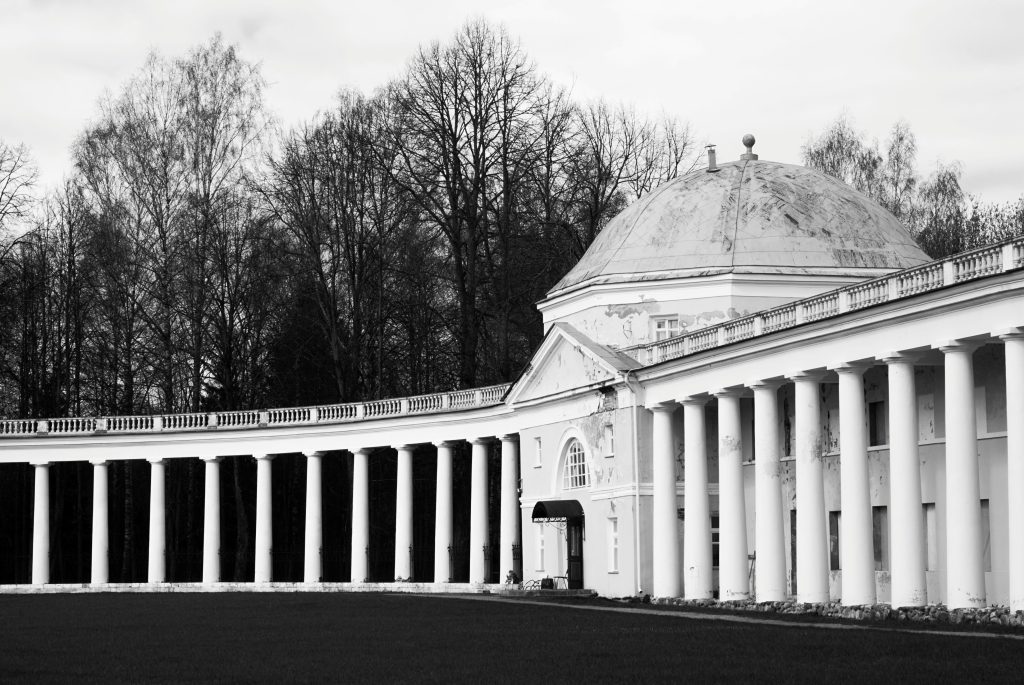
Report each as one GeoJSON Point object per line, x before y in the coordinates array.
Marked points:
{"type": "Point", "coordinates": [313, 537]}
{"type": "Point", "coordinates": [965, 577]}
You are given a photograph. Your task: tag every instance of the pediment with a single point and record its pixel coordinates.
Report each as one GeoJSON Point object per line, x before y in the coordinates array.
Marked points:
{"type": "Point", "coordinates": [568, 360]}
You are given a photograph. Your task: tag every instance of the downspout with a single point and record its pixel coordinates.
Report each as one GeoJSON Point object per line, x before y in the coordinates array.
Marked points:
{"type": "Point", "coordinates": [636, 477]}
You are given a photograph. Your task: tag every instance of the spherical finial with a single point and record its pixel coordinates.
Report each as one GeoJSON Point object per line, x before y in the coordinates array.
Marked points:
{"type": "Point", "coordinates": [748, 141]}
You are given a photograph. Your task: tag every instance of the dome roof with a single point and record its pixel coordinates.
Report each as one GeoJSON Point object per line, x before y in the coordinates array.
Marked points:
{"type": "Point", "coordinates": [750, 216]}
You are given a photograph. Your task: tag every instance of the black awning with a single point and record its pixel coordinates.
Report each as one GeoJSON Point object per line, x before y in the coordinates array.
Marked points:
{"type": "Point", "coordinates": [557, 510]}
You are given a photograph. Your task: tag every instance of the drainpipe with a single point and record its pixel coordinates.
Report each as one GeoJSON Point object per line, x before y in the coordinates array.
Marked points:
{"type": "Point", "coordinates": [636, 477]}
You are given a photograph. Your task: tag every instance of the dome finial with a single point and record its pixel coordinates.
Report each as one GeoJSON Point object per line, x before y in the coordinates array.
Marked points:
{"type": "Point", "coordinates": [748, 142]}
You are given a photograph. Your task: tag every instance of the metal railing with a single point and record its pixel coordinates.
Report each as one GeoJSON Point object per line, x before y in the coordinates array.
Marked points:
{"type": "Point", "coordinates": [966, 266]}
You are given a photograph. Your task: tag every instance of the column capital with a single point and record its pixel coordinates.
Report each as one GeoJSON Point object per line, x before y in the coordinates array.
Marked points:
{"type": "Point", "coordinates": [446, 443]}
{"type": "Point", "coordinates": [313, 453]}
{"type": "Point", "coordinates": [668, 406]}
{"type": "Point", "coordinates": [739, 391]}
{"type": "Point", "coordinates": [694, 400]}
{"type": "Point", "coordinates": [404, 448]}
{"type": "Point", "coordinates": [1011, 333]}
{"type": "Point", "coordinates": [39, 463]}
{"type": "Point", "coordinates": [509, 437]}
{"type": "Point", "coordinates": [815, 375]}
{"type": "Point", "coordinates": [896, 357]}
{"type": "Point", "coordinates": [215, 460]}
{"type": "Point", "coordinates": [766, 383]}
{"type": "Point", "coordinates": [361, 450]}
{"type": "Point", "coordinates": [949, 346]}
{"type": "Point", "coordinates": [263, 457]}
{"type": "Point", "coordinates": [98, 462]}
{"type": "Point", "coordinates": [852, 368]}
{"type": "Point", "coordinates": [486, 440]}
{"type": "Point", "coordinates": [156, 460]}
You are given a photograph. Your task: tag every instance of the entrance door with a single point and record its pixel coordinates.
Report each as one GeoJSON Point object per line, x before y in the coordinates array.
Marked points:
{"type": "Point", "coordinates": [574, 538]}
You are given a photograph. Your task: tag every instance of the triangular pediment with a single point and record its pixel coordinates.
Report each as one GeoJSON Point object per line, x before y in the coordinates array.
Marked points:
{"type": "Point", "coordinates": [568, 360]}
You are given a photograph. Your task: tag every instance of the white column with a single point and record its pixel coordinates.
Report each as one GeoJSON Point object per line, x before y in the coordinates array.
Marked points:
{"type": "Point", "coordinates": [264, 520]}
{"type": "Point", "coordinates": [41, 526]}
{"type": "Point", "coordinates": [811, 532]}
{"type": "Point", "coordinates": [360, 515]}
{"type": "Point", "coordinates": [403, 514]}
{"type": "Point", "coordinates": [665, 539]}
{"type": "Point", "coordinates": [770, 564]}
{"type": "Point", "coordinates": [211, 521]}
{"type": "Point", "coordinates": [856, 549]}
{"type": "Point", "coordinates": [312, 568]}
{"type": "Point", "coordinates": [965, 574]}
{"type": "Point", "coordinates": [100, 533]}
{"type": "Point", "coordinates": [1014, 343]}
{"type": "Point", "coordinates": [478, 530]}
{"type": "Point", "coordinates": [443, 514]}
{"type": "Point", "coordinates": [733, 578]}
{"type": "Point", "coordinates": [697, 524]}
{"type": "Point", "coordinates": [157, 525]}
{"type": "Point", "coordinates": [509, 533]}
{"type": "Point", "coordinates": [906, 522]}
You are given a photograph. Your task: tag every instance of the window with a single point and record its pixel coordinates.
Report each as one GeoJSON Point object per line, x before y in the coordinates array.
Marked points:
{"type": "Point", "coordinates": [666, 328]}
{"type": "Point", "coordinates": [540, 546]}
{"type": "Point", "coordinates": [575, 474]}
{"type": "Point", "coordinates": [609, 440]}
{"type": "Point", "coordinates": [880, 537]}
{"type": "Point", "coordinates": [986, 536]}
{"type": "Point", "coordinates": [833, 541]}
{"type": "Point", "coordinates": [613, 545]}
{"type": "Point", "coordinates": [714, 540]}
{"type": "Point", "coordinates": [538, 460]}
{"type": "Point", "coordinates": [931, 537]}
{"type": "Point", "coordinates": [876, 424]}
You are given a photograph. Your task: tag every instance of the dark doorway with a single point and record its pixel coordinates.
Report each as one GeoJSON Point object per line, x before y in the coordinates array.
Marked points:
{"type": "Point", "coordinates": [574, 540]}
{"type": "Point", "coordinates": [571, 513]}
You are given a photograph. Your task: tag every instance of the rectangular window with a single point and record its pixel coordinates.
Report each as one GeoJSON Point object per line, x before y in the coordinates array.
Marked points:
{"type": "Point", "coordinates": [877, 434]}
{"type": "Point", "coordinates": [792, 551]}
{"type": "Point", "coordinates": [666, 328]}
{"type": "Point", "coordinates": [833, 541]}
{"type": "Point", "coordinates": [714, 540]}
{"type": "Point", "coordinates": [540, 546]}
{"type": "Point", "coordinates": [613, 545]}
{"type": "Point", "coordinates": [609, 440]}
{"type": "Point", "coordinates": [880, 537]}
{"type": "Point", "coordinates": [986, 536]}
{"type": "Point", "coordinates": [931, 537]}
{"type": "Point", "coordinates": [538, 460]}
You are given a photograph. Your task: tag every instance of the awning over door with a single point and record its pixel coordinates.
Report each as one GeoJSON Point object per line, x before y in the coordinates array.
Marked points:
{"type": "Point", "coordinates": [557, 510]}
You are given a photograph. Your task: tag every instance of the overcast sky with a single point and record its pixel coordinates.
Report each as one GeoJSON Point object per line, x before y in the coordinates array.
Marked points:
{"type": "Point", "coordinates": [781, 69]}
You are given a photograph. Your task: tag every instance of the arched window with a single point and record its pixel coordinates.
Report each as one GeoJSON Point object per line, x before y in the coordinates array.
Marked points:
{"type": "Point", "coordinates": [575, 474]}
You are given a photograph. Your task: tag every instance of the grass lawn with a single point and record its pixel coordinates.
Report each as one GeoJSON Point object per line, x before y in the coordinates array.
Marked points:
{"type": "Point", "coordinates": [239, 637]}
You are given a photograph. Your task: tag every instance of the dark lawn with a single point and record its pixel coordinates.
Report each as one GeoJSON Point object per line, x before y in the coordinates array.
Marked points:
{"type": "Point", "coordinates": [236, 637]}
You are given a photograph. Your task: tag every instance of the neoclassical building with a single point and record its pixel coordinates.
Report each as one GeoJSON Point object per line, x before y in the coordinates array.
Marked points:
{"type": "Point", "coordinates": [753, 385]}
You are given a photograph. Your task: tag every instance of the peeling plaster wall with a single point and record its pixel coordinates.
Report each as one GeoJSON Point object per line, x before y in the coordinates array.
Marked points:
{"type": "Point", "coordinates": [608, 496]}
{"type": "Point", "coordinates": [632, 322]}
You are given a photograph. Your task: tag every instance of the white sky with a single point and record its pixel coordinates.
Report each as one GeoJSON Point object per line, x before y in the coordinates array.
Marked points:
{"type": "Point", "coordinates": [782, 69]}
